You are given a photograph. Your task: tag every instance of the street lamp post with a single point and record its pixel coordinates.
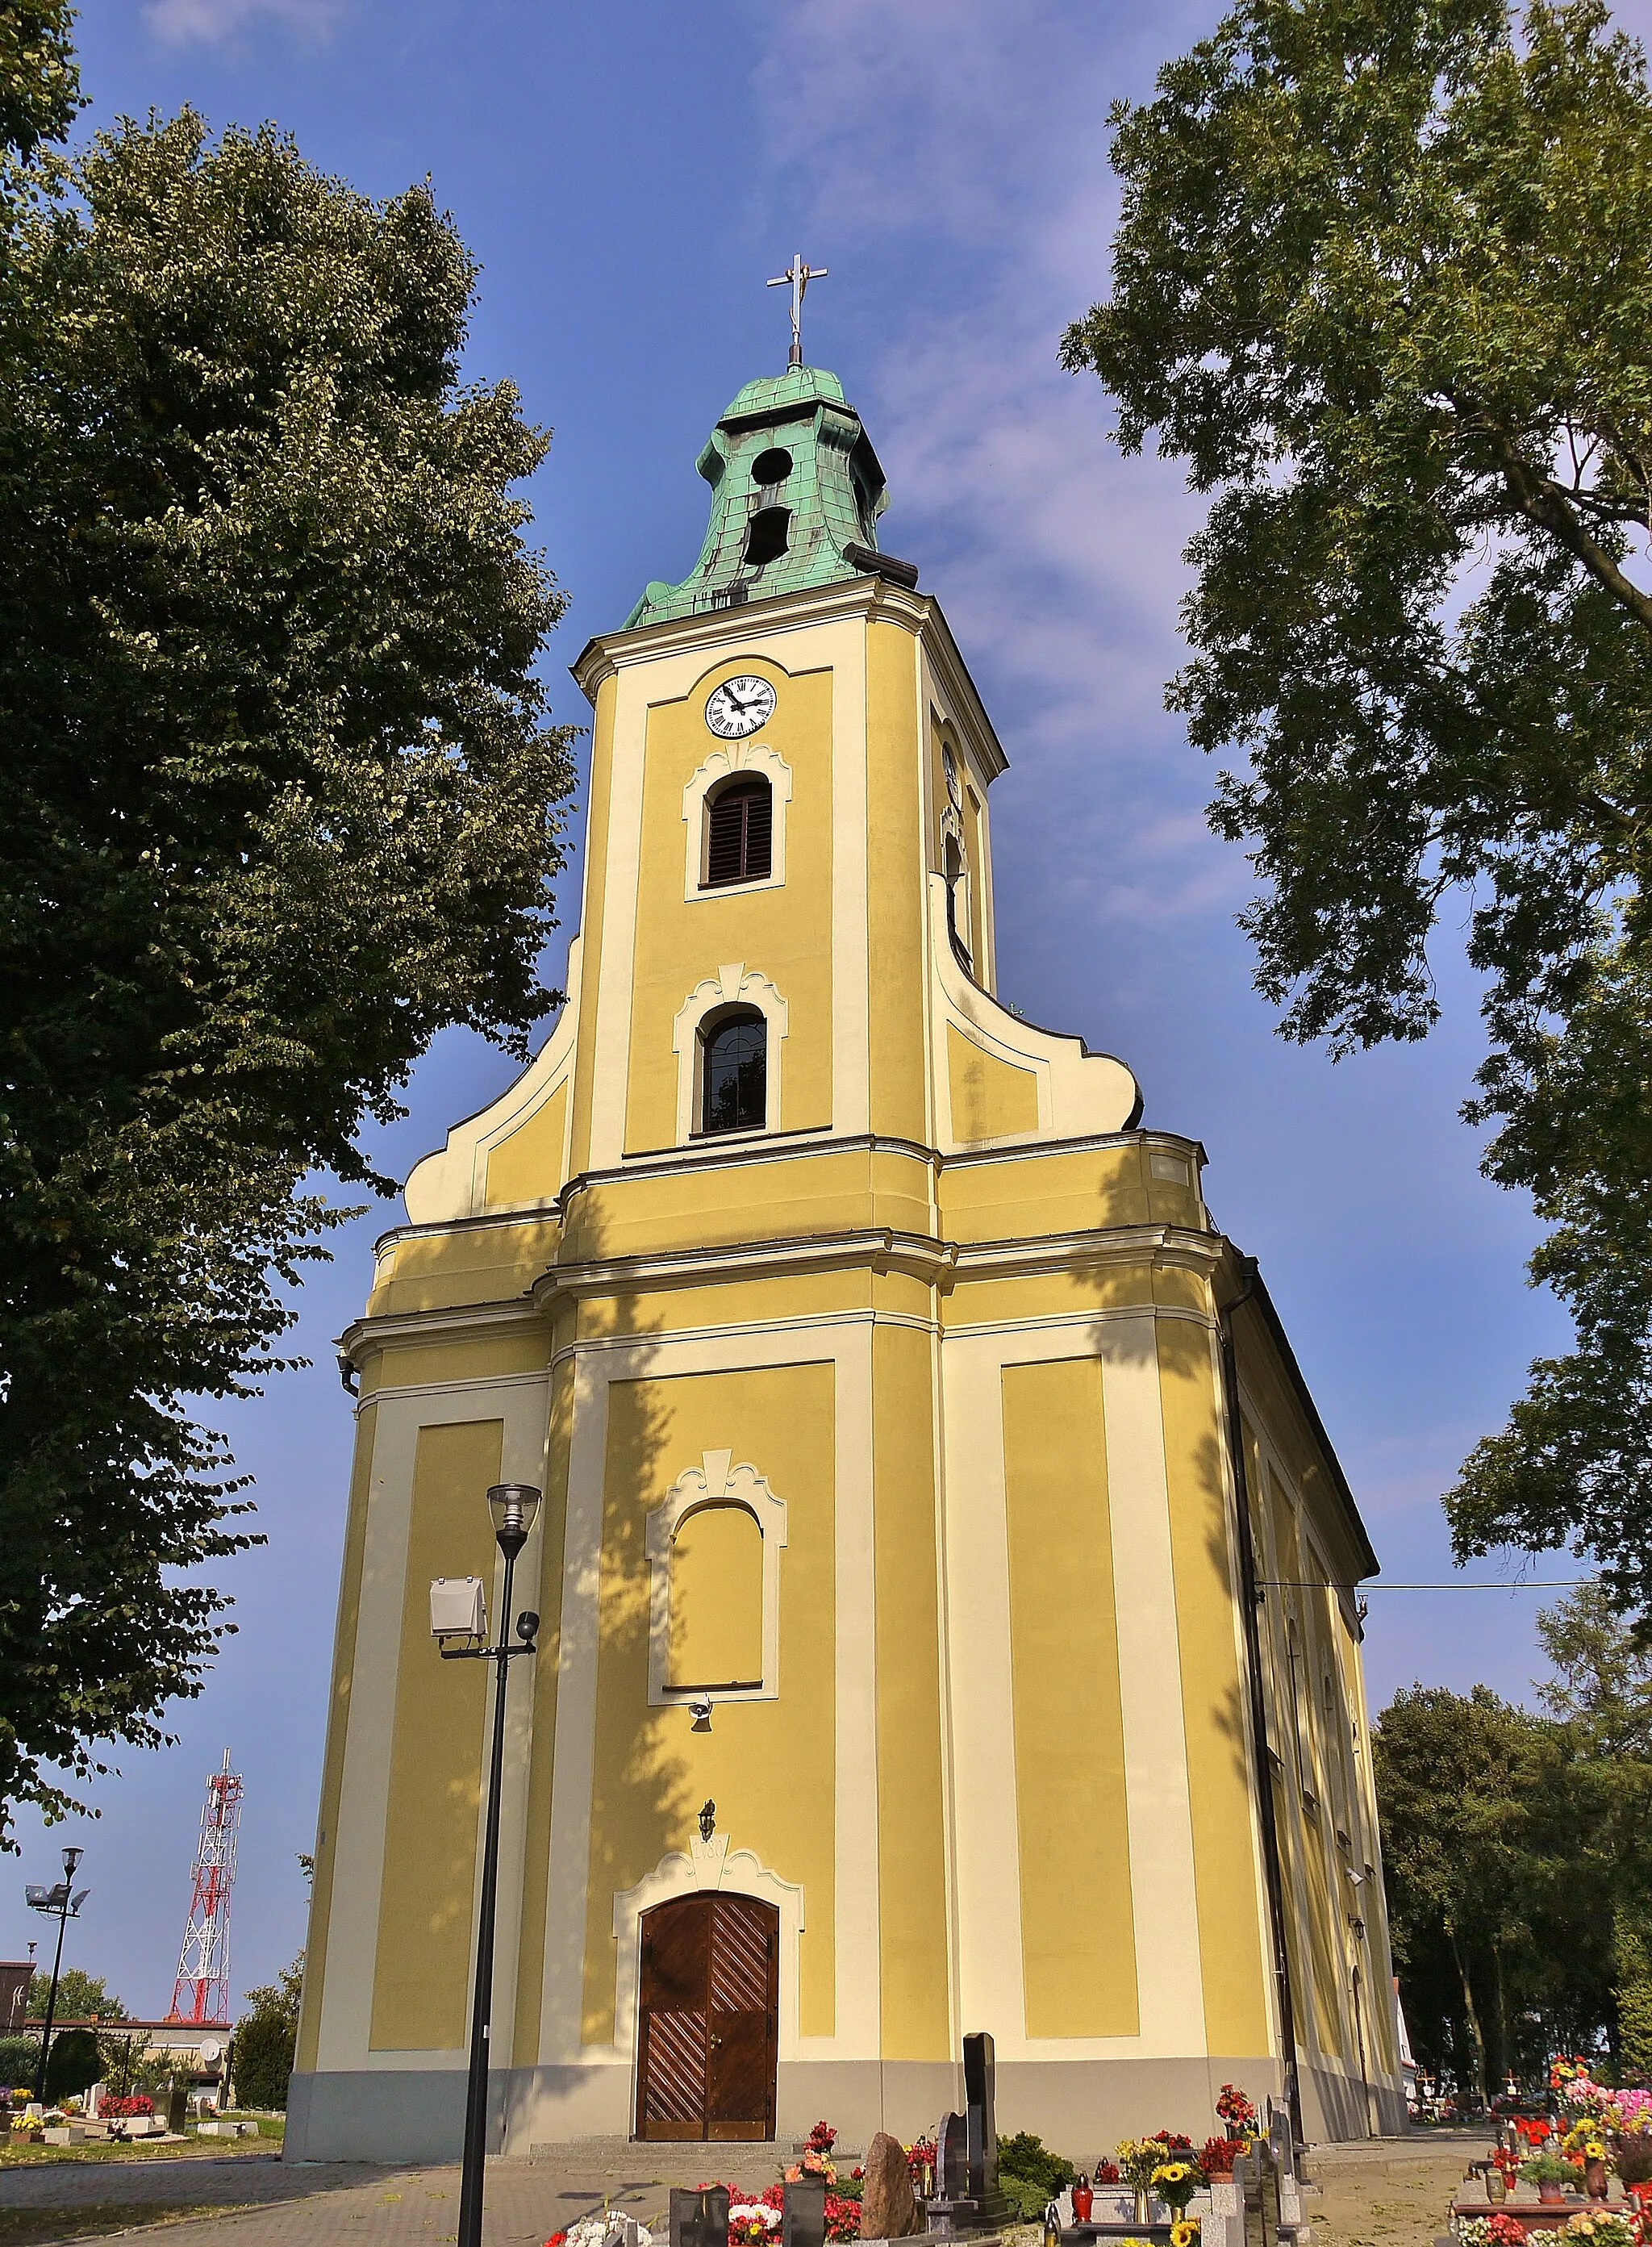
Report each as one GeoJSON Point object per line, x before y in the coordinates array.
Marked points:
{"type": "Point", "coordinates": [58, 1904]}
{"type": "Point", "coordinates": [458, 1608]}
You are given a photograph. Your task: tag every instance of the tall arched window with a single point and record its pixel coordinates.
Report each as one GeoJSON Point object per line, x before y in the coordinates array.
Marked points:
{"type": "Point", "coordinates": [734, 1074]}
{"type": "Point", "coordinates": [740, 826]}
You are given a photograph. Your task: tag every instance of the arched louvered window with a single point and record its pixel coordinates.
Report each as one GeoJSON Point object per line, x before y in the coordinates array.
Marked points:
{"type": "Point", "coordinates": [735, 1074]}
{"type": "Point", "coordinates": [740, 826]}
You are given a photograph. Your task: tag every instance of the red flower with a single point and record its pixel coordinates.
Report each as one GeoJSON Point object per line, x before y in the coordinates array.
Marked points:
{"type": "Point", "coordinates": [1106, 2172]}
{"type": "Point", "coordinates": [843, 2216]}
{"type": "Point", "coordinates": [1220, 2155]}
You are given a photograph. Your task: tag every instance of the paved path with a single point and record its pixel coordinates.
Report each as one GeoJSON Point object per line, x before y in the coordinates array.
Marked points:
{"type": "Point", "coordinates": [1389, 2192]}
{"type": "Point", "coordinates": [298, 2204]}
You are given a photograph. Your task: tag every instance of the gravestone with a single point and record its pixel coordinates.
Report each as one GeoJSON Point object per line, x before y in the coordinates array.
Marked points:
{"type": "Point", "coordinates": [803, 2222]}
{"type": "Point", "coordinates": [981, 2126]}
{"type": "Point", "coordinates": [177, 2107]}
{"type": "Point", "coordinates": [952, 2158]}
{"type": "Point", "coordinates": [700, 2215]}
{"type": "Point", "coordinates": [887, 2208]}
{"type": "Point", "coordinates": [967, 2197]}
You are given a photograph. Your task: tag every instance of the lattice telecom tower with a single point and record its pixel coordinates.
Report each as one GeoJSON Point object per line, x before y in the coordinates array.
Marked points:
{"type": "Point", "coordinates": [202, 1991]}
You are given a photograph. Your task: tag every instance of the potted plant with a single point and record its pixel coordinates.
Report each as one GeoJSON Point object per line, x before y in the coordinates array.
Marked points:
{"type": "Point", "coordinates": [1220, 2155]}
{"type": "Point", "coordinates": [1553, 2175]}
{"type": "Point", "coordinates": [1632, 2158]}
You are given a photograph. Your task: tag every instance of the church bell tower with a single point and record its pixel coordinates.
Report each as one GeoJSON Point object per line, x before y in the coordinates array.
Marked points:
{"type": "Point", "coordinates": [895, 1676]}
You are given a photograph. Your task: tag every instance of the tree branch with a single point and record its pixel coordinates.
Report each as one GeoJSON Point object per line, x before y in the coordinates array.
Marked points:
{"type": "Point", "coordinates": [1543, 502]}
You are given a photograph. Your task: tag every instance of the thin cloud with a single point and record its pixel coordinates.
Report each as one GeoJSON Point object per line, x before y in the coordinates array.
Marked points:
{"type": "Point", "coordinates": [212, 22]}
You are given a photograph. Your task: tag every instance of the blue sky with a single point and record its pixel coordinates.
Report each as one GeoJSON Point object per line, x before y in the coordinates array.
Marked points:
{"type": "Point", "coordinates": [629, 176]}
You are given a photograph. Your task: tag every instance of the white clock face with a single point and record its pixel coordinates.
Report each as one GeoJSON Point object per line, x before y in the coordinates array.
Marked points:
{"type": "Point", "coordinates": [739, 707]}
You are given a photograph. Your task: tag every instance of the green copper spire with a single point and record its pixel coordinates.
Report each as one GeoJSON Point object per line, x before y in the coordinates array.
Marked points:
{"type": "Point", "coordinates": [796, 492]}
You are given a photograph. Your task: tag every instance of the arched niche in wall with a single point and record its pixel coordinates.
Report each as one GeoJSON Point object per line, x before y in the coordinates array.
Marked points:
{"type": "Point", "coordinates": [713, 1545]}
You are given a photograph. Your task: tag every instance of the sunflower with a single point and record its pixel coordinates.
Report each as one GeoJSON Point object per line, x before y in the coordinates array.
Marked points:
{"type": "Point", "coordinates": [1594, 2150]}
{"type": "Point", "coordinates": [1184, 2232]}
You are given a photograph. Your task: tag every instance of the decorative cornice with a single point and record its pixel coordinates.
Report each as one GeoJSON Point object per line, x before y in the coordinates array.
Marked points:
{"type": "Point", "coordinates": [878, 1248]}
{"type": "Point", "coordinates": [874, 598]}
{"type": "Point", "coordinates": [601, 658]}
{"type": "Point", "coordinates": [941, 1264]}
{"type": "Point", "coordinates": [741, 1150]}
{"type": "Point", "coordinates": [1175, 1246]}
{"type": "Point", "coordinates": [382, 1329]}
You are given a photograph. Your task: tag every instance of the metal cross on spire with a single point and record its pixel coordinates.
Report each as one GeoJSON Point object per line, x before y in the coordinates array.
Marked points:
{"type": "Point", "coordinates": [797, 278]}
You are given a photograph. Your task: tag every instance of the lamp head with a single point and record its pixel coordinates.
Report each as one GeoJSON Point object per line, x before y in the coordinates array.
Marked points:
{"type": "Point", "coordinates": [513, 1506]}
{"type": "Point", "coordinates": [71, 1857]}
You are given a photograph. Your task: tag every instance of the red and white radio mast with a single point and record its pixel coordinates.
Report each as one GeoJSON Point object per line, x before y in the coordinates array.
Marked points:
{"type": "Point", "coordinates": [202, 1991]}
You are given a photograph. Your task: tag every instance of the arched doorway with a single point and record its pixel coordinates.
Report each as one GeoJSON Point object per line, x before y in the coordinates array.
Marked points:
{"type": "Point", "coordinates": [708, 2021]}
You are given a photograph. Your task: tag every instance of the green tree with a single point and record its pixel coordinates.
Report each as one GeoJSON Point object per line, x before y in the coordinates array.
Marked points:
{"type": "Point", "coordinates": [282, 802]}
{"type": "Point", "coordinates": [1602, 1689]}
{"type": "Point", "coordinates": [74, 2065]}
{"type": "Point", "coordinates": [1382, 281]}
{"type": "Point", "coordinates": [266, 2040]}
{"type": "Point", "coordinates": [1499, 1899]}
{"type": "Point", "coordinates": [81, 1997]}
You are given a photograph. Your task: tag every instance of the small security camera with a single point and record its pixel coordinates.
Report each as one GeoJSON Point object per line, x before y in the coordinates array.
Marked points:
{"type": "Point", "coordinates": [700, 1712]}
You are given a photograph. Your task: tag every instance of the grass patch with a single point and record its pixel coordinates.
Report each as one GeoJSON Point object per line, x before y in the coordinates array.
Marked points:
{"type": "Point", "coordinates": [40, 2227]}
{"type": "Point", "coordinates": [14, 2157]}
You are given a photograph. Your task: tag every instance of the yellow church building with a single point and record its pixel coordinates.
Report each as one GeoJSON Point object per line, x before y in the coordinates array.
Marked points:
{"type": "Point", "coordinates": [932, 1498]}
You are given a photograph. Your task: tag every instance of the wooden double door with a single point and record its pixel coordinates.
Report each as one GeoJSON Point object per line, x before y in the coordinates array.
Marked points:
{"type": "Point", "coordinates": [709, 2018]}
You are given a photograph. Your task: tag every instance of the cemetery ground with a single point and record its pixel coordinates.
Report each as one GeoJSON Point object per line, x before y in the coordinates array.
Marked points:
{"type": "Point", "coordinates": [1389, 2193]}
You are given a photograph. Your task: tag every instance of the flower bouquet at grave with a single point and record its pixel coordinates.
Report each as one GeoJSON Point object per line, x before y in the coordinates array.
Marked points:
{"type": "Point", "coordinates": [1499, 2231]}
{"type": "Point", "coordinates": [1138, 2158]}
{"type": "Point", "coordinates": [816, 2161]}
{"type": "Point", "coordinates": [1218, 2155]}
{"type": "Point", "coordinates": [752, 2222]}
{"type": "Point", "coordinates": [1599, 2228]}
{"type": "Point", "coordinates": [1184, 2232]}
{"type": "Point", "coordinates": [1236, 2111]}
{"type": "Point", "coordinates": [1176, 2182]}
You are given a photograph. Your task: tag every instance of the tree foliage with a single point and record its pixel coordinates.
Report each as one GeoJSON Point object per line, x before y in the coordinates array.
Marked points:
{"type": "Point", "coordinates": [1513, 1855]}
{"type": "Point", "coordinates": [267, 2038]}
{"type": "Point", "coordinates": [81, 1997]}
{"type": "Point", "coordinates": [282, 802]}
{"type": "Point", "coordinates": [74, 2065]}
{"type": "Point", "coordinates": [1384, 281]}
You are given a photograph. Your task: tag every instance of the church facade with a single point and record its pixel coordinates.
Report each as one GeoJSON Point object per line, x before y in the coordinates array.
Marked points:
{"type": "Point", "coordinates": [946, 1581]}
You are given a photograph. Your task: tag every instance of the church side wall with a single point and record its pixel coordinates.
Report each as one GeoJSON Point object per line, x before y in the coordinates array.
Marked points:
{"type": "Point", "coordinates": [1325, 1804]}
